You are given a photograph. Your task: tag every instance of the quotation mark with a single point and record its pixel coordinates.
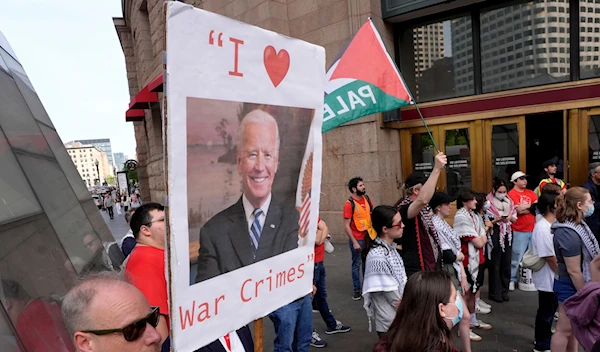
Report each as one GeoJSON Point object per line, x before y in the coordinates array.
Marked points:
{"type": "Point", "coordinates": [311, 257]}
{"type": "Point", "coordinates": [211, 39]}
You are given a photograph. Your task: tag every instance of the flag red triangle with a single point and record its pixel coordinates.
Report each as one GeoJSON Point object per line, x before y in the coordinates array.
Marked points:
{"type": "Point", "coordinates": [366, 59]}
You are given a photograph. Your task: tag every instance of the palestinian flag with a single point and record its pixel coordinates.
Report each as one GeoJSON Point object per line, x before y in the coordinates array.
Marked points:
{"type": "Point", "coordinates": [363, 80]}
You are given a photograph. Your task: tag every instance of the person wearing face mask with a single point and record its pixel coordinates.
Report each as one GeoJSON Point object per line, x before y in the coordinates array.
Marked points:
{"type": "Point", "coordinates": [575, 246]}
{"type": "Point", "coordinates": [473, 239]}
{"type": "Point", "coordinates": [385, 275]}
{"type": "Point", "coordinates": [452, 258]}
{"type": "Point", "coordinates": [483, 223]}
{"type": "Point", "coordinates": [502, 213]}
{"type": "Point", "coordinates": [430, 308]}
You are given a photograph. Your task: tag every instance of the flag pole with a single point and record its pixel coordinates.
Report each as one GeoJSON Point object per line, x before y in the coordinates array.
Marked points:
{"type": "Point", "coordinates": [426, 127]}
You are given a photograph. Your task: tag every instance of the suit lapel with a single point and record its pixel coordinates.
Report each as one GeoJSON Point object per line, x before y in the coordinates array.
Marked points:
{"type": "Point", "coordinates": [239, 235]}
{"type": "Point", "coordinates": [269, 230]}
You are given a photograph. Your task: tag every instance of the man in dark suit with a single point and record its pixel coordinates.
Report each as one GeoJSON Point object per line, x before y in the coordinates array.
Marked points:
{"type": "Point", "coordinates": [257, 227]}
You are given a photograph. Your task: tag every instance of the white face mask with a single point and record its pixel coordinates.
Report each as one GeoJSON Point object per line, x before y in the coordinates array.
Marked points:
{"type": "Point", "coordinates": [500, 196]}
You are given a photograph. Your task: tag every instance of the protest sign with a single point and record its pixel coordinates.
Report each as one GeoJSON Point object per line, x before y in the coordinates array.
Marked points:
{"type": "Point", "coordinates": [243, 145]}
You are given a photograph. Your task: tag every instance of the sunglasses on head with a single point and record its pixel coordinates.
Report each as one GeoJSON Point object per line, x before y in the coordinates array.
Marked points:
{"type": "Point", "coordinates": [134, 330]}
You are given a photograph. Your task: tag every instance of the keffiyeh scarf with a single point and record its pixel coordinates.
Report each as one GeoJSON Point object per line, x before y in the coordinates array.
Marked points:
{"type": "Point", "coordinates": [448, 240]}
{"type": "Point", "coordinates": [384, 272]}
{"type": "Point", "coordinates": [425, 216]}
{"type": "Point", "coordinates": [590, 245]}
{"type": "Point", "coordinates": [505, 226]}
{"type": "Point", "coordinates": [465, 225]}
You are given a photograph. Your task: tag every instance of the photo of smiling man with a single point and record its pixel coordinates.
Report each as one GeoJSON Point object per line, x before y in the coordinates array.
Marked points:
{"type": "Point", "coordinates": [262, 221]}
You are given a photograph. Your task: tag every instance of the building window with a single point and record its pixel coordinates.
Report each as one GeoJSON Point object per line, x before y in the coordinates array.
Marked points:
{"type": "Point", "coordinates": [587, 66]}
{"type": "Point", "coordinates": [448, 56]}
{"type": "Point", "coordinates": [536, 42]}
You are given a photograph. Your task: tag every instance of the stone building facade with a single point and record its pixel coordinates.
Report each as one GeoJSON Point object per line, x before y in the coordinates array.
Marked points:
{"type": "Point", "coordinates": [361, 148]}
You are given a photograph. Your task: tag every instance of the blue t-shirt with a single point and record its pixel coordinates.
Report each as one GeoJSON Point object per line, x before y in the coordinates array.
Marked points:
{"type": "Point", "coordinates": [567, 243]}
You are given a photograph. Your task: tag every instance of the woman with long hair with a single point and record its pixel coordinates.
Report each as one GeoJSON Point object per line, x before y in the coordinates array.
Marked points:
{"type": "Point", "coordinates": [473, 240]}
{"type": "Point", "coordinates": [430, 307]}
{"type": "Point", "coordinates": [452, 258]}
{"type": "Point", "coordinates": [543, 279]}
{"type": "Point", "coordinates": [385, 275]}
{"type": "Point", "coordinates": [575, 246]}
{"type": "Point", "coordinates": [482, 223]}
{"type": "Point", "coordinates": [502, 213]}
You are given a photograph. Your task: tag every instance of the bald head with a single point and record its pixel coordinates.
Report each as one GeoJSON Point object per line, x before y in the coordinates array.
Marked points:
{"type": "Point", "coordinates": [78, 301]}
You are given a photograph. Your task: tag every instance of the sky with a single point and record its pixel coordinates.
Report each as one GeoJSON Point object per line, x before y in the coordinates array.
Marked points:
{"type": "Point", "coordinates": [73, 57]}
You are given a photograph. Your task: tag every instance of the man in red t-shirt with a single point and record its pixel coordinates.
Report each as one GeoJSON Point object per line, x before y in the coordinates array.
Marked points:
{"type": "Point", "coordinates": [523, 199]}
{"type": "Point", "coordinates": [357, 217]}
{"type": "Point", "coordinates": [145, 267]}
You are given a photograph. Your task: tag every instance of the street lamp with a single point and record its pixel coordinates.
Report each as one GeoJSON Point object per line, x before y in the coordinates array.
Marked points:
{"type": "Point", "coordinates": [97, 170]}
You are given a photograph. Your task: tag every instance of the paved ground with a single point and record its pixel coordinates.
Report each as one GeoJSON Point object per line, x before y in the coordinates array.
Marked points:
{"type": "Point", "coordinates": [512, 321]}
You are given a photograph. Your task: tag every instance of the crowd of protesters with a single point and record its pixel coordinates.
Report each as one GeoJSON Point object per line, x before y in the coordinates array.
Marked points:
{"type": "Point", "coordinates": [420, 278]}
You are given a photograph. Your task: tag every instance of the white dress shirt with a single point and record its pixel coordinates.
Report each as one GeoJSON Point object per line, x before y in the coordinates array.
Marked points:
{"type": "Point", "coordinates": [249, 211]}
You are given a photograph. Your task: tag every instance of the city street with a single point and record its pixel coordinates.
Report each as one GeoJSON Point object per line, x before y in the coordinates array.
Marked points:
{"type": "Point", "coordinates": [512, 321]}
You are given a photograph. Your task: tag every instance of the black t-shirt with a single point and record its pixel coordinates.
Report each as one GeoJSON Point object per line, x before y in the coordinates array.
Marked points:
{"type": "Point", "coordinates": [416, 252]}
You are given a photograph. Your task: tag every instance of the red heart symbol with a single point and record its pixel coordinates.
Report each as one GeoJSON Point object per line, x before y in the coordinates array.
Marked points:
{"type": "Point", "coordinates": [277, 64]}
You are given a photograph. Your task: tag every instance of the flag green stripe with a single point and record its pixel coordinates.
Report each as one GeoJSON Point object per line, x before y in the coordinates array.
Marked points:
{"type": "Point", "coordinates": [355, 100]}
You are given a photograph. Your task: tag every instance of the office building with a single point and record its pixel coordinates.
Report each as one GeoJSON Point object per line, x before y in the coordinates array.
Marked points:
{"type": "Point", "coordinates": [120, 160]}
{"type": "Point", "coordinates": [103, 144]}
{"type": "Point", "coordinates": [486, 74]}
{"type": "Point", "coordinates": [84, 158]}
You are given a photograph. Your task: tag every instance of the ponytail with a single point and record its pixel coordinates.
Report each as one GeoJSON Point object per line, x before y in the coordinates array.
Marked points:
{"type": "Point", "coordinates": [566, 205]}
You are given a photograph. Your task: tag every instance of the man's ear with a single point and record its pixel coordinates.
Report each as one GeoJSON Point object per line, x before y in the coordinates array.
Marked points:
{"type": "Point", "coordinates": [83, 341]}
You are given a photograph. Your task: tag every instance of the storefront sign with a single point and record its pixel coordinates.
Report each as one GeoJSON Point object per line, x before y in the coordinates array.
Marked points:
{"type": "Point", "coordinates": [423, 166]}
{"type": "Point", "coordinates": [457, 164]}
{"type": "Point", "coordinates": [237, 94]}
{"type": "Point", "coordinates": [596, 155]}
{"type": "Point", "coordinates": [507, 160]}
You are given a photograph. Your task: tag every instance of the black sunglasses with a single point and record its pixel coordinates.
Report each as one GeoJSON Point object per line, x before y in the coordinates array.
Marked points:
{"type": "Point", "coordinates": [134, 330]}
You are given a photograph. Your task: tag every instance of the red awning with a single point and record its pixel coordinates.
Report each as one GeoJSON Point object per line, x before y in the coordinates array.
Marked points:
{"type": "Point", "coordinates": [141, 100]}
{"type": "Point", "coordinates": [149, 94]}
{"type": "Point", "coordinates": [156, 85]}
{"type": "Point", "coordinates": [135, 115]}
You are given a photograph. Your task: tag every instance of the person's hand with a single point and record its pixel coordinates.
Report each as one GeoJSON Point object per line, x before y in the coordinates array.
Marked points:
{"type": "Point", "coordinates": [397, 304]}
{"type": "Point", "coordinates": [314, 291]}
{"type": "Point", "coordinates": [488, 223]}
{"type": "Point", "coordinates": [595, 269]}
{"type": "Point", "coordinates": [464, 285]}
{"type": "Point", "coordinates": [356, 246]}
{"type": "Point", "coordinates": [511, 219]}
{"type": "Point", "coordinates": [440, 161]}
{"type": "Point", "coordinates": [460, 257]}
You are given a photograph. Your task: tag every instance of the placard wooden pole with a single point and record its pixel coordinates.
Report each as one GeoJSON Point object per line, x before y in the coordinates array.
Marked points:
{"type": "Point", "coordinates": [258, 335]}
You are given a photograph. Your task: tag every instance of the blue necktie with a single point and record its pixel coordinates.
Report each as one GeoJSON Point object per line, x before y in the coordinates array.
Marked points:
{"type": "Point", "coordinates": [256, 229]}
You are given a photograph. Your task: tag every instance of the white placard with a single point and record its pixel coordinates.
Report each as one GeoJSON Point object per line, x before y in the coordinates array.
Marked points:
{"type": "Point", "coordinates": [221, 72]}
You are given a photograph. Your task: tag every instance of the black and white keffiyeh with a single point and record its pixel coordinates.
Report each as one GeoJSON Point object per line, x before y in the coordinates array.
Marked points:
{"type": "Point", "coordinates": [384, 272]}
{"type": "Point", "coordinates": [590, 245]}
{"type": "Point", "coordinates": [426, 215]}
{"type": "Point", "coordinates": [448, 240]}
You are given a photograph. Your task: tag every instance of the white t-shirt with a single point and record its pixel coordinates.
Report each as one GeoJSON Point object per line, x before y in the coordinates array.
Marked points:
{"type": "Point", "coordinates": [543, 246]}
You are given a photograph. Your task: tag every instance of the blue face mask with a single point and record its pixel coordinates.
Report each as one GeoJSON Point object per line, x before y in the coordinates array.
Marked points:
{"type": "Point", "coordinates": [458, 317]}
{"type": "Point", "coordinates": [589, 212]}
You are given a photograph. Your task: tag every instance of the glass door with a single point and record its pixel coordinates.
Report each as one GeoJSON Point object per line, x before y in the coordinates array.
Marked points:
{"type": "Point", "coordinates": [420, 152]}
{"type": "Point", "coordinates": [456, 141]}
{"type": "Point", "coordinates": [504, 149]}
